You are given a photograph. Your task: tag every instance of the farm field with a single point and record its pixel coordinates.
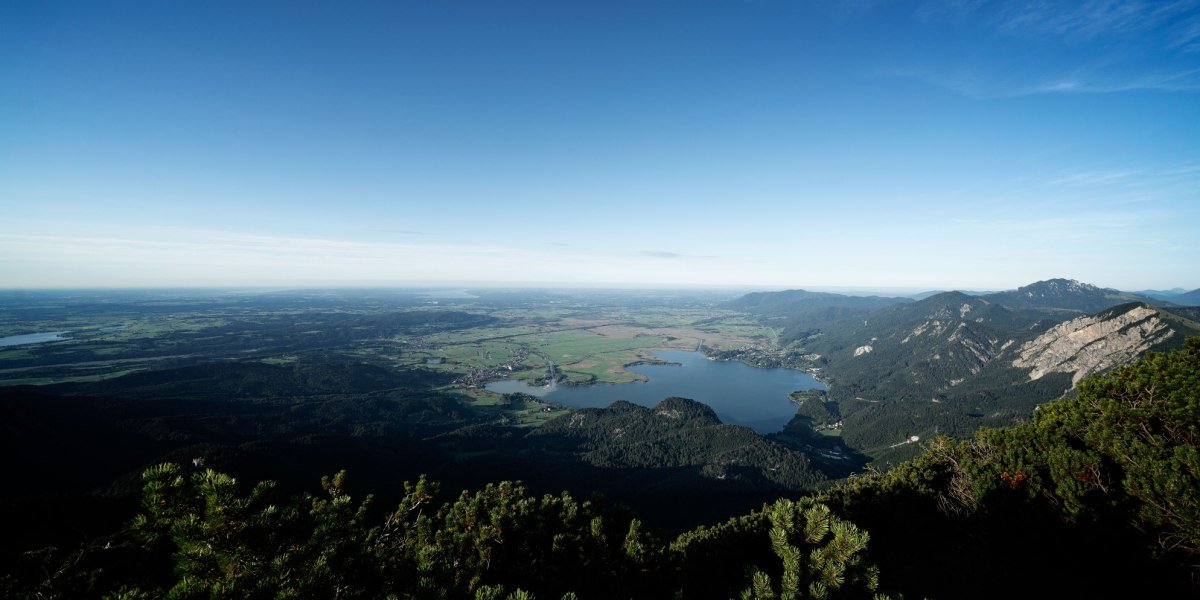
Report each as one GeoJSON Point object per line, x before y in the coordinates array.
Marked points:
{"type": "Point", "coordinates": [589, 339]}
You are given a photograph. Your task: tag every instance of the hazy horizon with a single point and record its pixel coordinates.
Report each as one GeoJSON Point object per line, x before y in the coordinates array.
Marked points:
{"type": "Point", "coordinates": [889, 145]}
{"type": "Point", "coordinates": [428, 286]}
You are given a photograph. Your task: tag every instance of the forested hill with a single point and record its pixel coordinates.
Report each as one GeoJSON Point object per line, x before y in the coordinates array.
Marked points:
{"type": "Point", "coordinates": [801, 311]}
{"type": "Point", "coordinates": [1096, 496]}
{"type": "Point", "coordinates": [788, 301]}
{"type": "Point", "coordinates": [675, 463]}
{"type": "Point", "coordinates": [678, 433]}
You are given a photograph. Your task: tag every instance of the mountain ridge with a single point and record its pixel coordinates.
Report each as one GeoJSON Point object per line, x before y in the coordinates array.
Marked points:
{"type": "Point", "coordinates": [1191, 298]}
{"type": "Point", "coordinates": [1061, 294]}
{"type": "Point", "coordinates": [1095, 343]}
{"type": "Point", "coordinates": [954, 362]}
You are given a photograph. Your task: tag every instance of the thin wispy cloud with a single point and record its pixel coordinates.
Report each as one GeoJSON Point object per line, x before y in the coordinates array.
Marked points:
{"type": "Point", "coordinates": [1185, 170]}
{"type": "Point", "coordinates": [1091, 179]}
{"type": "Point", "coordinates": [1115, 46]}
{"type": "Point", "coordinates": [1083, 224]}
{"type": "Point", "coordinates": [1086, 20]}
{"type": "Point", "coordinates": [1075, 20]}
{"type": "Point", "coordinates": [1136, 184]}
{"type": "Point", "coordinates": [1187, 38]}
{"type": "Point", "coordinates": [1104, 83]}
{"type": "Point", "coordinates": [981, 84]}
{"type": "Point", "coordinates": [1114, 228]}
{"type": "Point", "coordinates": [401, 231]}
{"type": "Point", "coordinates": [670, 255]}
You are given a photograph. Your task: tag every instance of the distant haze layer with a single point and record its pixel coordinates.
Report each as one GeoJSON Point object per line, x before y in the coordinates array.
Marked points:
{"type": "Point", "coordinates": [932, 145]}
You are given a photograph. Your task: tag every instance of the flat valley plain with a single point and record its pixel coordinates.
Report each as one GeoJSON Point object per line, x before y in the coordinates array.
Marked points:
{"type": "Point", "coordinates": [589, 337]}
{"type": "Point", "coordinates": [387, 384]}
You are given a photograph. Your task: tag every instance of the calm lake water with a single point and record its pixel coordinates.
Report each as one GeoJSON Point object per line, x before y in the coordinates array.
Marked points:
{"type": "Point", "coordinates": [32, 338]}
{"type": "Point", "coordinates": [448, 294]}
{"type": "Point", "coordinates": [740, 394]}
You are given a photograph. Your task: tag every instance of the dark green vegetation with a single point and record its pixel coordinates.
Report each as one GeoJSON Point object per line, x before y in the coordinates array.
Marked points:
{"type": "Point", "coordinates": [1098, 495]}
{"type": "Point", "coordinates": [292, 387]}
{"type": "Point", "coordinates": [947, 364]}
{"type": "Point", "coordinates": [676, 434]}
{"type": "Point", "coordinates": [952, 363]}
{"type": "Point", "coordinates": [78, 444]}
{"type": "Point", "coordinates": [799, 310]}
{"type": "Point", "coordinates": [112, 334]}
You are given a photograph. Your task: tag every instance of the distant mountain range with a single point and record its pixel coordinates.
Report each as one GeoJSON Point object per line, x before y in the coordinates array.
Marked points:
{"type": "Point", "coordinates": [1162, 294]}
{"type": "Point", "coordinates": [1068, 295]}
{"type": "Point", "coordinates": [1191, 298]}
{"type": "Point", "coordinates": [1056, 287]}
{"type": "Point", "coordinates": [951, 363]}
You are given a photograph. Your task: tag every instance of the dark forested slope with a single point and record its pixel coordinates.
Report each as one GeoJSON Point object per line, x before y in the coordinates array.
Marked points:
{"type": "Point", "coordinates": [79, 447]}
{"type": "Point", "coordinates": [952, 363]}
{"type": "Point", "coordinates": [1097, 495]}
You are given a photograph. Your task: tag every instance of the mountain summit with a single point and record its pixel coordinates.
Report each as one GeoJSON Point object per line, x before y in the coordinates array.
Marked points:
{"type": "Point", "coordinates": [1068, 295]}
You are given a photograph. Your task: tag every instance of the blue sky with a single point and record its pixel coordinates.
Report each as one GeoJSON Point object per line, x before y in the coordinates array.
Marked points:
{"type": "Point", "coordinates": [953, 144]}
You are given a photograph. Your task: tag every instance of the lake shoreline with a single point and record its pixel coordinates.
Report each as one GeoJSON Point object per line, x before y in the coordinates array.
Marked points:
{"type": "Point", "coordinates": [740, 394]}
{"type": "Point", "coordinates": [34, 338]}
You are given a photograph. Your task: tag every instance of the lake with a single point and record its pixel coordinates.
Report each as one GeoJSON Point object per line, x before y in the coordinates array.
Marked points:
{"type": "Point", "coordinates": [32, 338]}
{"type": "Point", "coordinates": [448, 294]}
{"type": "Point", "coordinates": [740, 394]}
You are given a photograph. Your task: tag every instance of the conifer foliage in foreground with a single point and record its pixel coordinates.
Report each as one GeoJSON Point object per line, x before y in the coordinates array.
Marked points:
{"type": "Point", "coordinates": [1098, 494]}
{"type": "Point", "coordinates": [499, 542]}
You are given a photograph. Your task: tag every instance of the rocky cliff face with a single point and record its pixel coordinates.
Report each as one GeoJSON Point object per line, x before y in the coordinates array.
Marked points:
{"type": "Point", "coordinates": [1090, 344]}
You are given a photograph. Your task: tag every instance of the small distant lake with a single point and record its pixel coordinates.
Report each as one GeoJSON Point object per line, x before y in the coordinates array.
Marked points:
{"type": "Point", "coordinates": [448, 295]}
{"type": "Point", "coordinates": [740, 394]}
{"type": "Point", "coordinates": [32, 338]}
